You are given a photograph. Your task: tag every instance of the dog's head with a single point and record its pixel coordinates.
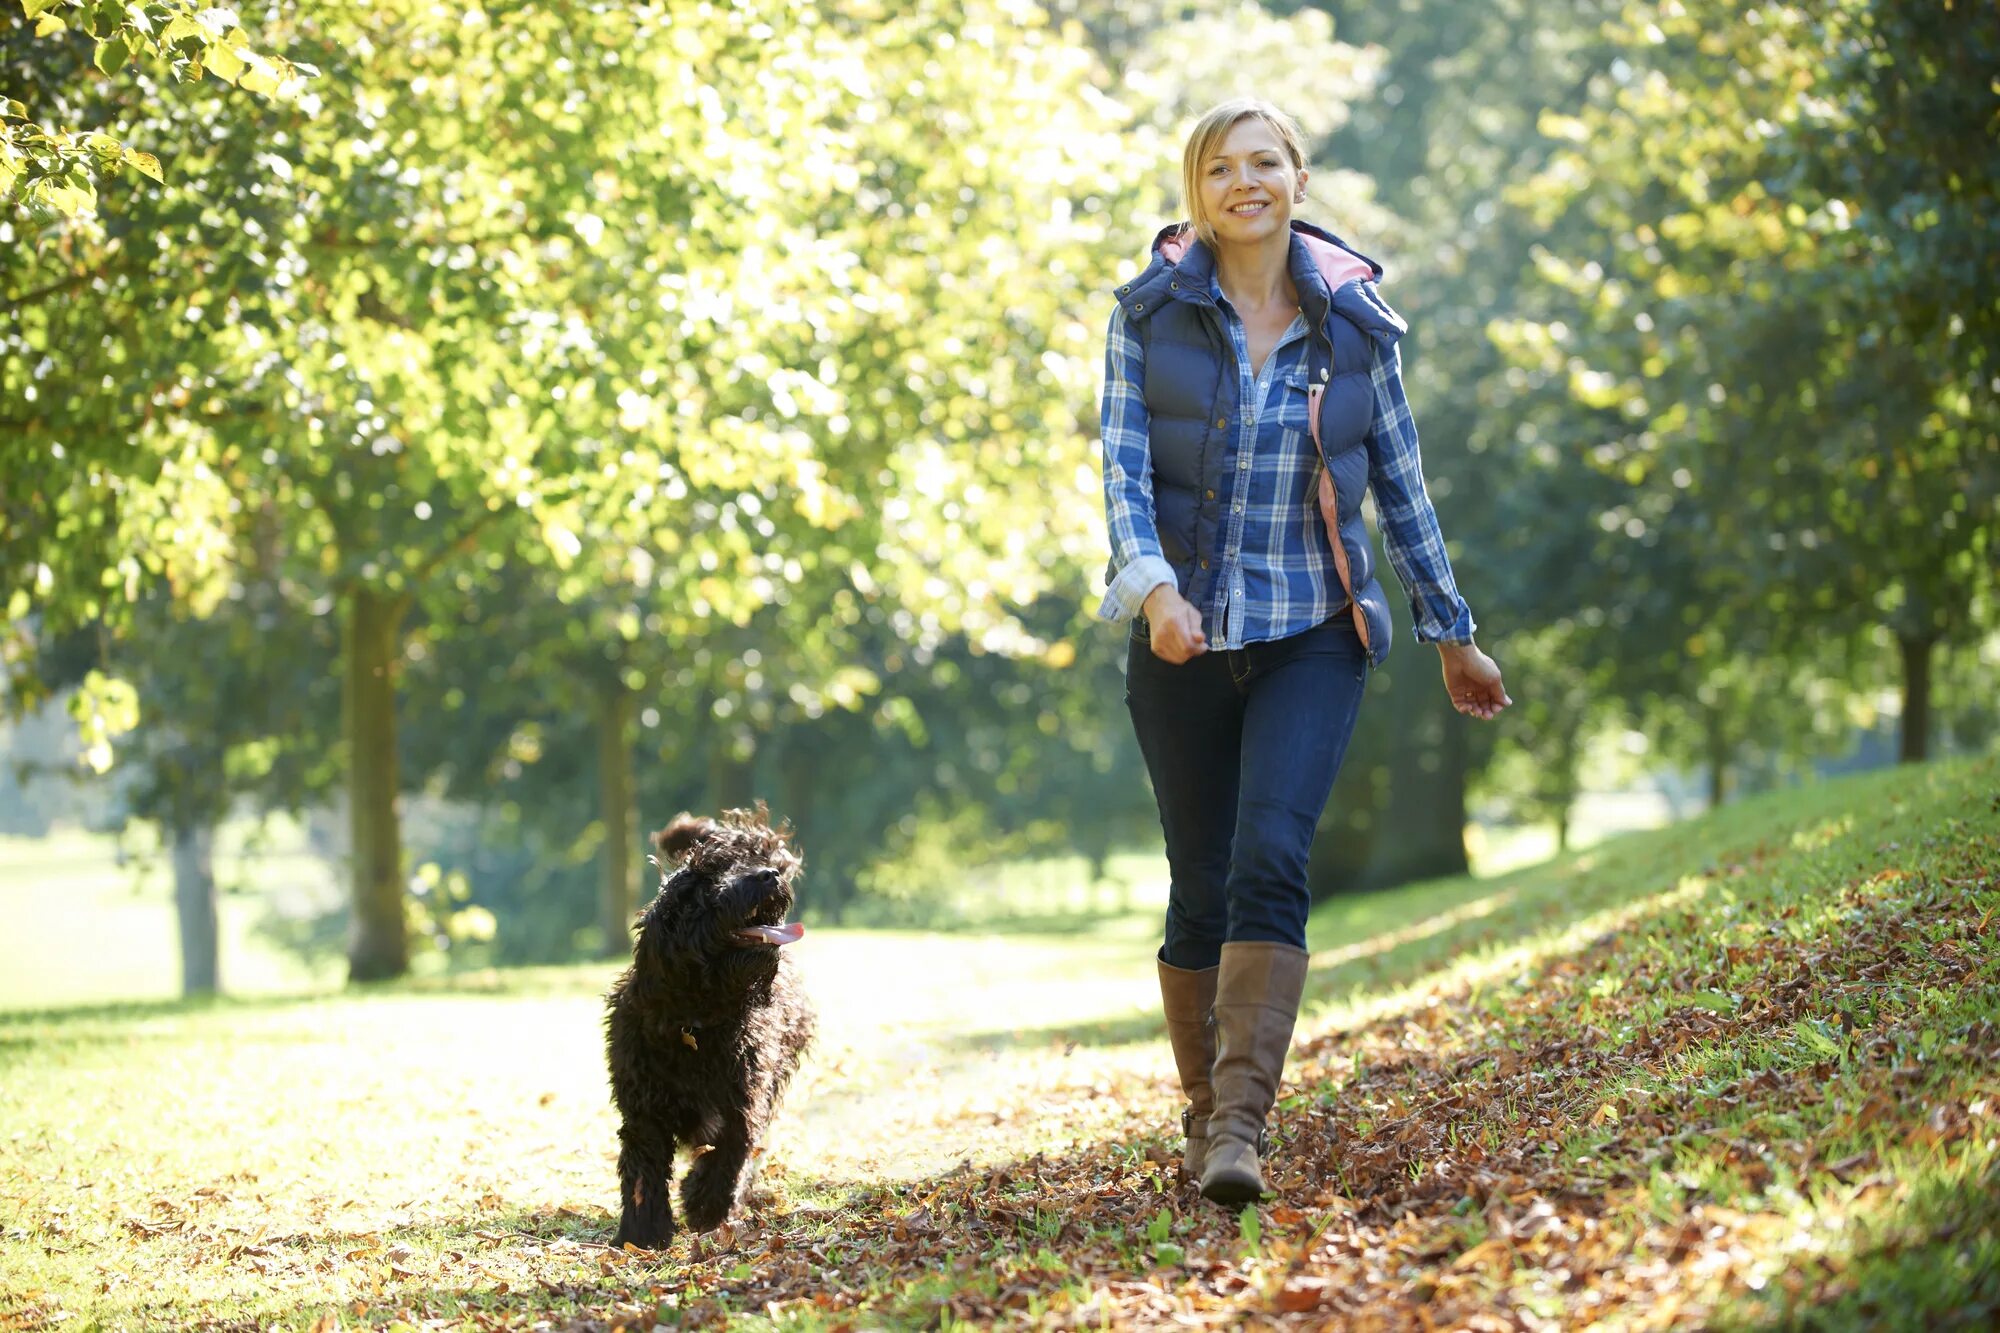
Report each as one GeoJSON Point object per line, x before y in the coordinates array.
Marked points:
{"type": "Point", "coordinates": [726, 887]}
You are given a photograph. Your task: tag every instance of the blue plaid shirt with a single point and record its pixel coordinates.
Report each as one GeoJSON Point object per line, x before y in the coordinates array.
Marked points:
{"type": "Point", "coordinates": [1276, 576]}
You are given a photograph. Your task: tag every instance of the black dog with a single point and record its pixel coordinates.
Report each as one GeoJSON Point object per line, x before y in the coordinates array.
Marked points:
{"type": "Point", "coordinates": [708, 1024]}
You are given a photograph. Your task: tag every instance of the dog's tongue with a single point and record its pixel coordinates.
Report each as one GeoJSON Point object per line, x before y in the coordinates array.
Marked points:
{"type": "Point", "coordinates": [789, 933]}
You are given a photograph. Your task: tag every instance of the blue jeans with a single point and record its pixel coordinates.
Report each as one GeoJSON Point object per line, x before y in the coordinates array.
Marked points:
{"type": "Point", "coordinates": [1243, 746]}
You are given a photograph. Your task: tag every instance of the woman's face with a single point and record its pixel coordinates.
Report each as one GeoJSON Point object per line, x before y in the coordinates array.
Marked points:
{"type": "Point", "coordinates": [1248, 184]}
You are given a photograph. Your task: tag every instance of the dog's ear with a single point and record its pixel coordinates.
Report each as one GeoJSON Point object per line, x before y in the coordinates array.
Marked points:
{"type": "Point", "coordinates": [673, 841]}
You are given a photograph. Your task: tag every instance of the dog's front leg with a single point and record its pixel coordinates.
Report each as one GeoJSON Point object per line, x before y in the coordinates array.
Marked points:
{"type": "Point", "coordinates": [709, 1191]}
{"type": "Point", "coordinates": [645, 1187]}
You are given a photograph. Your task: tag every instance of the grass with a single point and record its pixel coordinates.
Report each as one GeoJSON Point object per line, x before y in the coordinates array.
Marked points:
{"type": "Point", "coordinates": [1739, 1073]}
{"type": "Point", "coordinates": [83, 927]}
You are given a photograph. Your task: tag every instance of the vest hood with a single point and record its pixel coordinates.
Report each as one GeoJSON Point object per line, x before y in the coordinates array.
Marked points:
{"type": "Point", "coordinates": [1327, 271]}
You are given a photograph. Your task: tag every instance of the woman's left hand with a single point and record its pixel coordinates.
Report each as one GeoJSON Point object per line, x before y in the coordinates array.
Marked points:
{"type": "Point", "coordinates": [1473, 681]}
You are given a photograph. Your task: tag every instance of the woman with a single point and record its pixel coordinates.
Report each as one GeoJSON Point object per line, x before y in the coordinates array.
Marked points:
{"type": "Point", "coordinates": [1252, 393]}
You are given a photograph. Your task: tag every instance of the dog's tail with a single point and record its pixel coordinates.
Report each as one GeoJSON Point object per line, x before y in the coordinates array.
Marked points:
{"type": "Point", "coordinates": [673, 841]}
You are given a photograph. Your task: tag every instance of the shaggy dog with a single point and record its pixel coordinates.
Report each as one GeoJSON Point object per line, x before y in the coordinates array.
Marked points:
{"type": "Point", "coordinates": [708, 1024]}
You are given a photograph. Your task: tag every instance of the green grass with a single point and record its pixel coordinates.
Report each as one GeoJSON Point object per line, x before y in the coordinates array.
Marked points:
{"type": "Point", "coordinates": [1791, 1009]}
{"type": "Point", "coordinates": [82, 928]}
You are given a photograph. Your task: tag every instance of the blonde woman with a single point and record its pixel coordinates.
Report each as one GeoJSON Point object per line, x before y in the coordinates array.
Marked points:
{"type": "Point", "coordinates": [1252, 394]}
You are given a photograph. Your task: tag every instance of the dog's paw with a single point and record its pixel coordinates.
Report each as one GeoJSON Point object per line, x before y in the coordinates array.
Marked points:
{"type": "Point", "coordinates": [647, 1235]}
{"type": "Point", "coordinates": [708, 1196]}
{"type": "Point", "coordinates": [706, 1212]}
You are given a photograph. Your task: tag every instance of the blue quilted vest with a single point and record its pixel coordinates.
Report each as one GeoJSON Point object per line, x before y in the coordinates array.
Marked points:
{"type": "Point", "coordinates": [1191, 396]}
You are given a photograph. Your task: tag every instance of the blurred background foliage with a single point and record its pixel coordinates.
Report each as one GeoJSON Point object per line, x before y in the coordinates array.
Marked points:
{"type": "Point", "coordinates": [477, 433]}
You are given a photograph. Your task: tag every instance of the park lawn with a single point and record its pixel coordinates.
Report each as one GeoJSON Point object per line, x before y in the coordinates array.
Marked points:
{"type": "Point", "coordinates": [1741, 1072]}
{"type": "Point", "coordinates": [80, 927]}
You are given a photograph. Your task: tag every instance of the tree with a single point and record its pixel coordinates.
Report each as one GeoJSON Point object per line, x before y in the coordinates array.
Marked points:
{"type": "Point", "coordinates": [1746, 287]}
{"type": "Point", "coordinates": [48, 164]}
{"type": "Point", "coordinates": [423, 384]}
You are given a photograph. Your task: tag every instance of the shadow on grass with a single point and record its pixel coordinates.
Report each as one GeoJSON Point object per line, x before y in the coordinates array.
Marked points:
{"type": "Point", "coordinates": [1933, 1263]}
{"type": "Point", "coordinates": [27, 1027]}
{"type": "Point", "coordinates": [125, 1022]}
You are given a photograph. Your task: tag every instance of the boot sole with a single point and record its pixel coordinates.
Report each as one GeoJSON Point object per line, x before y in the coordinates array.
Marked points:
{"type": "Point", "coordinates": [1232, 1191]}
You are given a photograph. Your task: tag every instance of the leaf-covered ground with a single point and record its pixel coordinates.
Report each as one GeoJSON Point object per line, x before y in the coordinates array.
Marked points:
{"type": "Point", "coordinates": [1740, 1073]}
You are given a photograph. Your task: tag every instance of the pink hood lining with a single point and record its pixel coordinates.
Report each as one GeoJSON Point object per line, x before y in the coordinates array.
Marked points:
{"type": "Point", "coordinates": [1336, 266]}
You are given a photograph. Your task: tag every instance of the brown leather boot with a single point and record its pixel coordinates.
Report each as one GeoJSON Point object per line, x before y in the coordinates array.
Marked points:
{"type": "Point", "coordinates": [1188, 997]}
{"type": "Point", "coordinates": [1257, 994]}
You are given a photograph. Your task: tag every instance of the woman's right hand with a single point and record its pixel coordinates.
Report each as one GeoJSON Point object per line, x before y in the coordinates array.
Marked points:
{"type": "Point", "coordinates": [1176, 625]}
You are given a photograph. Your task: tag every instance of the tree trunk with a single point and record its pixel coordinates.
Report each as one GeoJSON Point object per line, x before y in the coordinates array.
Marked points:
{"type": "Point", "coordinates": [379, 945]}
{"type": "Point", "coordinates": [732, 782]}
{"type": "Point", "coordinates": [194, 905]}
{"type": "Point", "coordinates": [1718, 760]}
{"type": "Point", "coordinates": [1566, 780]}
{"type": "Point", "coordinates": [826, 889]}
{"type": "Point", "coordinates": [615, 808]}
{"type": "Point", "coordinates": [1425, 821]}
{"type": "Point", "coordinates": [1916, 728]}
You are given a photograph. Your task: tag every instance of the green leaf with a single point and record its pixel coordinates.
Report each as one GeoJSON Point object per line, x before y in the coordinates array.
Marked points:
{"type": "Point", "coordinates": [35, 8]}
{"type": "Point", "coordinates": [47, 24]}
{"type": "Point", "coordinates": [106, 153]}
{"type": "Point", "coordinates": [1166, 1253]}
{"type": "Point", "coordinates": [112, 53]}
{"type": "Point", "coordinates": [259, 77]}
{"type": "Point", "coordinates": [181, 29]}
{"type": "Point", "coordinates": [106, 17]}
{"type": "Point", "coordinates": [67, 195]}
{"type": "Point", "coordinates": [223, 61]}
{"type": "Point", "coordinates": [145, 164]}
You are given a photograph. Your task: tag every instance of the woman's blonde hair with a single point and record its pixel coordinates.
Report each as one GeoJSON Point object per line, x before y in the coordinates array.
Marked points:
{"type": "Point", "coordinates": [1207, 136]}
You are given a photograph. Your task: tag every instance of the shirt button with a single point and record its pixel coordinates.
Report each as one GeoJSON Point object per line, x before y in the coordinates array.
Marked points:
{"type": "Point", "coordinates": [1239, 509]}
{"type": "Point", "coordinates": [1211, 495]}
{"type": "Point", "coordinates": [1242, 463]}
{"type": "Point", "coordinates": [1220, 422]}
{"type": "Point", "coordinates": [1204, 562]}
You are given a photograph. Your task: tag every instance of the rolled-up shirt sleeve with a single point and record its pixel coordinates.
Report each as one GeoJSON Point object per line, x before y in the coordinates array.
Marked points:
{"type": "Point", "coordinates": [1137, 566]}
{"type": "Point", "coordinates": [1409, 524]}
